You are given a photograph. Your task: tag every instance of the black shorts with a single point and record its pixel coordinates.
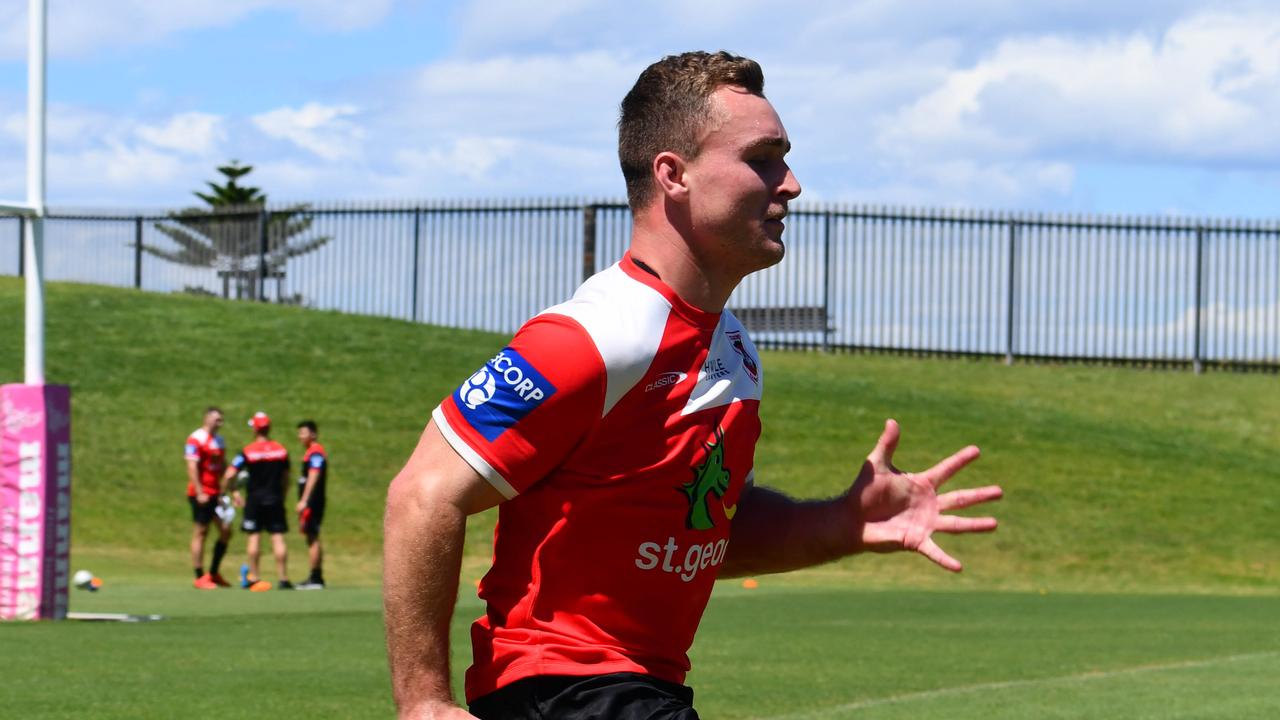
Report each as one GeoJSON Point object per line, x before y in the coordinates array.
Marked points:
{"type": "Point", "coordinates": [202, 513]}
{"type": "Point", "coordinates": [310, 518]}
{"type": "Point", "coordinates": [260, 517]}
{"type": "Point", "coordinates": [617, 696]}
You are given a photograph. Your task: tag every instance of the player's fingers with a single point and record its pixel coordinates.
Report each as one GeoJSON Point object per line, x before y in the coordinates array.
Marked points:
{"type": "Point", "coordinates": [882, 455]}
{"type": "Point", "coordinates": [957, 524]}
{"type": "Point", "coordinates": [944, 470]}
{"type": "Point", "coordinates": [930, 549]}
{"type": "Point", "coordinates": [959, 499]}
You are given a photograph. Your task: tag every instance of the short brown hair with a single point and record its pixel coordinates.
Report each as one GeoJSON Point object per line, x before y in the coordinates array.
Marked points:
{"type": "Point", "coordinates": [667, 110]}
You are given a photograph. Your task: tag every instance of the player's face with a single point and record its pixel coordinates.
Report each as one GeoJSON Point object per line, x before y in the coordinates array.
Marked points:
{"type": "Point", "coordinates": [305, 436]}
{"type": "Point", "coordinates": [740, 183]}
{"type": "Point", "coordinates": [214, 421]}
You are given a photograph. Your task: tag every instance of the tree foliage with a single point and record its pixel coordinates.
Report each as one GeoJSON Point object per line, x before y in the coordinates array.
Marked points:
{"type": "Point", "coordinates": [236, 235]}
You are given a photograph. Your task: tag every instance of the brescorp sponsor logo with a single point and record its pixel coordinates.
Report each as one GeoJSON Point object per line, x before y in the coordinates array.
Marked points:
{"type": "Point", "coordinates": [501, 393]}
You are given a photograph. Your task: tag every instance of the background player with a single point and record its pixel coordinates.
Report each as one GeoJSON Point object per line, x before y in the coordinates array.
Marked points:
{"type": "Point", "coordinates": [267, 463]}
{"type": "Point", "coordinates": [311, 499]}
{"type": "Point", "coordinates": [206, 458]}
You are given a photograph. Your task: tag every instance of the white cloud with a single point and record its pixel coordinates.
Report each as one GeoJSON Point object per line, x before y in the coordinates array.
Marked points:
{"type": "Point", "coordinates": [1205, 90]}
{"type": "Point", "coordinates": [497, 162]}
{"type": "Point", "coordinates": [528, 94]}
{"type": "Point", "coordinates": [320, 129]}
{"type": "Point", "coordinates": [81, 27]}
{"type": "Point", "coordinates": [116, 164]}
{"type": "Point", "coordinates": [192, 133]}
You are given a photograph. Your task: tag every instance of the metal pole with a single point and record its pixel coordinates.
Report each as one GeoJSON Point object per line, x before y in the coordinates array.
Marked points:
{"type": "Point", "coordinates": [588, 242]}
{"type": "Point", "coordinates": [1197, 362]}
{"type": "Point", "coordinates": [1013, 275]}
{"type": "Point", "coordinates": [137, 253]}
{"type": "Point", "coordinates": [417, 251]}
{"type": "Point", "coordinates": [826, 281]}
{"type": "Point", "coordinates": [263, 219]}
{"type": "Point", "coordinates": [33, 250]}
{"type": "Point", "coordinates": [22, 245]}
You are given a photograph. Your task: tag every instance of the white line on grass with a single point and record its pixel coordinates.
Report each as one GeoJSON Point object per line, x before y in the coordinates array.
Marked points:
{"type": "Point", "coordinates": [1005, 685]}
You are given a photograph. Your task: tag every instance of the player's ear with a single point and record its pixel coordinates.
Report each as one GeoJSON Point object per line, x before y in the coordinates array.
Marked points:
{"type": "Point", "coordinates": [669, 173]}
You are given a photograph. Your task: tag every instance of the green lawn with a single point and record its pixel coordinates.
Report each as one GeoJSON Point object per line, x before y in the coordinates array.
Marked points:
{"type": "Point", "coordinates": [780, 651]}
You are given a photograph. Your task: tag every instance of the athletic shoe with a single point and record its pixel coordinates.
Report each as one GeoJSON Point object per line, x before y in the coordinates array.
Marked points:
{"type": "Point", "coordinates": [219, 580]}
{"type": "Point", "coordinates": [285, 585]}
{"type": "Point", "coordinates": [244, 576]}
{"type": "Point", "coordinates": [310, 585]}
{"type": "Point", "coordinates": [260, 586]}
{"type": "Point", "coordinates": [204, 582]}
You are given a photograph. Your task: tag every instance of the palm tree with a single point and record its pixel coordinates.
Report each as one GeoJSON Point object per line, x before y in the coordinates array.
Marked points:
{"type": "Point", "coordinates": [236, 235]}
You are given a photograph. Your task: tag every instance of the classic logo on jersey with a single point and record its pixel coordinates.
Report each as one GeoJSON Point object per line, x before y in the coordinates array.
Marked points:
{"type": "Point", "coordinates": [748, 362]}
{"type": "Point", "coordinates": [710, 480]}
{"type": "Point", "coordinates": [666, 379]}
{"type": "Point", "coordinates": [501, 393]}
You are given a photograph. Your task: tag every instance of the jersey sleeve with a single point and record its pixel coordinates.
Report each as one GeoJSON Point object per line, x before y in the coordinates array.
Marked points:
{"type": "Point", "coordinates": [238, 462]}
{"type": "Point", "coordinates": [521, 414]}
{"type": "Point", "coordinates": [315, 461]}
{"type": "Point", "coordinates": [192, 450]}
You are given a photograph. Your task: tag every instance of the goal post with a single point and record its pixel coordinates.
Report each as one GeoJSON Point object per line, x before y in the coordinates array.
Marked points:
{"type": "Point", "coordinates": [35, 418]}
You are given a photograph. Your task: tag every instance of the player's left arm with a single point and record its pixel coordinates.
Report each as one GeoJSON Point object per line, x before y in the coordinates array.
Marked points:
{"type": "Point", "coordinates": [313, 476]}
{"type": "Point", "coordinates": [884, 510]}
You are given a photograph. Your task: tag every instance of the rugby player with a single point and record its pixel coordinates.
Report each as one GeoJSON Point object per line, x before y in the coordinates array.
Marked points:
{"type": "Point", "coordinates": [616, 433]}
{"type": "Point", "coordinates": [206, 458]}
{"type": "Point", "coordinates": [311, 500]}
{"type": "Point", "coordinates": [267, 463]}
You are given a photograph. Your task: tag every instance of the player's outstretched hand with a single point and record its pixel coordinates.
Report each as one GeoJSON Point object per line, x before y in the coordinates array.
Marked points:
{"type": "Point", "coordinates": [901, 511]}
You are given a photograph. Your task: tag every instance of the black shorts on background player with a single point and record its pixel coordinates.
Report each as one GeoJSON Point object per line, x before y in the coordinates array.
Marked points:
{"type": "Point", "coordinates": [203, 512]}
{"type": "Point", "coordinates": [617, 696]}
{"type": "Point", "coordinates": [260, 517]}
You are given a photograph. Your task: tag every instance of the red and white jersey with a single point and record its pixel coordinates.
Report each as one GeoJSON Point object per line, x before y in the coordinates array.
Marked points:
{"type": "Point", "coordinates": [621, 426]}
{"type": "Point", "coordinates": [210, 454]}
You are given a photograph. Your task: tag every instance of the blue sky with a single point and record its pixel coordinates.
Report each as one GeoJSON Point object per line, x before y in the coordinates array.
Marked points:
{"type": "Point", "coordinates": [1148, 108]}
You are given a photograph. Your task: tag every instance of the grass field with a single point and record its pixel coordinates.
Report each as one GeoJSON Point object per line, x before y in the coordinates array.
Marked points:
{"type": "Point", "coordinates": [780, 651]}
{"type": "Point", "coordinates": [1135, 573]}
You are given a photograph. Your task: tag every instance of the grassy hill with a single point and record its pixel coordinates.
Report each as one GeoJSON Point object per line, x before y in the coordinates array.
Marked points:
{"type": "Point", "coordinates": [1115, 478]}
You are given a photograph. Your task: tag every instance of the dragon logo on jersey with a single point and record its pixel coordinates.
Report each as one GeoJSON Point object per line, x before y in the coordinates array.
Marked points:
{"type": "Point", "coordinates": [748, 362]}
{"type": "Point", "coordinates": [711, 478]}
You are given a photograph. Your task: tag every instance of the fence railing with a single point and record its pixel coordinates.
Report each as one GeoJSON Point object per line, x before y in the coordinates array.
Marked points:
{"type": "Point", "coordinates": [1195, 292]}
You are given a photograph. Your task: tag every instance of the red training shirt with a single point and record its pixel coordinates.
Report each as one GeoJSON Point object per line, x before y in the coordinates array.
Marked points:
{"type": "Point", "coordinates": [210, 454]}
{"type": "Point", "coordinates": [621, 426]}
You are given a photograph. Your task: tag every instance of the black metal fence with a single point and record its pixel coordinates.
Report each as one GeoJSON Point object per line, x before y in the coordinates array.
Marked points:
{"type": "Point", "coordinates": [973, 283]}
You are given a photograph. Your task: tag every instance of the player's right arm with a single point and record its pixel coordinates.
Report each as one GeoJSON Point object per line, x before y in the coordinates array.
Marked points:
{"type": "Point", "coordinates": [427, 507]}
{"type": "Point", "coordinates": [193, 475]}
